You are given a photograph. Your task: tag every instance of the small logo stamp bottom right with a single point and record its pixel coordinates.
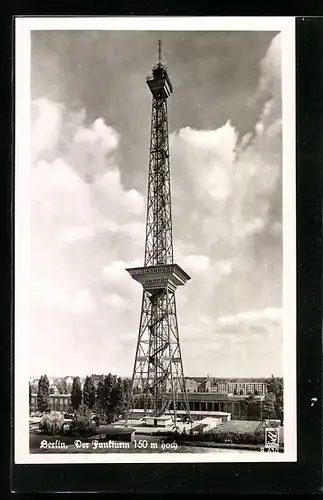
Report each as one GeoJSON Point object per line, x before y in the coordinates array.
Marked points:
{"type": "Point", "coordinates": [272, 439]}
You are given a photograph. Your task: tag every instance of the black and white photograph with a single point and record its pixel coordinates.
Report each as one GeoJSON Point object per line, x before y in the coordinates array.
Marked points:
{"type": "Point", "coordinates": [155, 288]}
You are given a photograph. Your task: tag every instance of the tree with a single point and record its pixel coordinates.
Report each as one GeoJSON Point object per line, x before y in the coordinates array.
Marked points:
{"type": "Point", "coordinates": [76, 394]}
{"type": "Point", "coordinates": [89, 393]}
{"type": "Point", "coordinates": [279, 407]}
{"type": "Point", "coordinates": [43, 394]}
{"type": "Point", "coordinates": [275, 385]}
{"type": "Point", "coordinates": [119, 399]}
{"type": "Point", "coordinates": [61, 386]}
{"type": "Point", "coordinates": [100, 394]}
{"type": "Point", "coordinates": [29, 397]}
{"type": "Point", "coordinates": [251, 407]}
{"type": "Point", "coordinates": [268, 406]}
{"type": "Point", "coordinates": [99, 407]}
{"type": "Point", "coordinates": [109, 386]}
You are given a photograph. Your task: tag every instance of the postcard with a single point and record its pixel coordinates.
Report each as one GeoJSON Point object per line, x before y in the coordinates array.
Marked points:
{"type": "Point", "coordinates": [155, 247]}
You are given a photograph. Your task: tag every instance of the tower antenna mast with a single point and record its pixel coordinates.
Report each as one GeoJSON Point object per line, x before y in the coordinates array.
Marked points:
{"type": "Point", "coordinates": [159, 50]}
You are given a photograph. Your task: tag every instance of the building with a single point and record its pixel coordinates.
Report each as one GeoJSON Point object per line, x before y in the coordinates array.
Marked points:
{"type": "Point", "coordinates": [206, 402]}
{"type": "Point", "coordinates": [57, 402]}
{"type": "Point", "coordinates": [201, 404]}
{"type": "Point", "coordinates": [191, 385]}
{"type": "Point", "coordinates": [165, 421]}
{"type": "Point", "coordinates": [237, 386]}
{"type": "Point", "coordinates": [220, 416]}
{"type": "Point", "coordinates": [69, 380]}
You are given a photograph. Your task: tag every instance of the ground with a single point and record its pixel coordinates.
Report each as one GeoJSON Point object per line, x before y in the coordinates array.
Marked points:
{"type": "Point", "coordinates": [152, 443]}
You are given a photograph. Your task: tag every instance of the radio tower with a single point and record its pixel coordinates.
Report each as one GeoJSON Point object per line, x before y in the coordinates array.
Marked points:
{"type": "Point", "coordinates": [158, 382]}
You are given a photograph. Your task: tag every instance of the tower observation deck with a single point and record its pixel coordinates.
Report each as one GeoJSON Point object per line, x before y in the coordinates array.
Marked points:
{"type": "Point", "coordinates": [158, 375]}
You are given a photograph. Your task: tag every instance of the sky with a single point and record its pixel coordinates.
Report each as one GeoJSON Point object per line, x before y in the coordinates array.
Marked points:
{"type": "Point", "coordinates": [90, 115]}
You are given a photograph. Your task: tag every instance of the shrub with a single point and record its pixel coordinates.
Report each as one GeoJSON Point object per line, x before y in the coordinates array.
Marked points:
{"type": "Point", "coordinates": [52, 423]}
{"type": "Point", "coordinates": [100, 416]}
{"type": "Point", "coordinates": [218, 437]}
{"type": "Point", "coordinates": [259, 437]}
{"type": "Point", "coordinates": [166, 432]}
{"type": "Point", "coordinates": [82, 421]}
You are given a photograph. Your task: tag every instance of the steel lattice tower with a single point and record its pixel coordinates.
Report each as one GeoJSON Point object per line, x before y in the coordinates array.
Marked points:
{"type": "Point", "coordinates": [158, 381]}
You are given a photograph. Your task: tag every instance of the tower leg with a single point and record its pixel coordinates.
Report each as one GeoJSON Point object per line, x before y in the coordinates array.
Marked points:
{"type": "Point", "coordinates": [158, 376]}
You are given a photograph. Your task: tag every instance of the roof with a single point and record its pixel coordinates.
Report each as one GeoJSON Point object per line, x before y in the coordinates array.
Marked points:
{"type": "Point", "coordinates": [218, 413]}
{"type": "Point", "coordinates": [239, 380]}
{"type": "Point", "coordinates": [182, 412]}
{"type": "Point", "coordinates": [210, 421]}
{"type": "Point", "coordinates": [54, 395]}
{"type": "Point", "coordinates": [161, 417]}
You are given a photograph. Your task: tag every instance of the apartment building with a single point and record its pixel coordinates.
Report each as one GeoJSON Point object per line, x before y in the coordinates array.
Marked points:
{"type": "Point", "coordinates": [237, 386]}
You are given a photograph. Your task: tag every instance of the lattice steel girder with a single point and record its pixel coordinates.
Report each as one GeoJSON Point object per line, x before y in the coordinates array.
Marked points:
{"type": "Point", "coordinates": [158, 376]}
{"type": "Point", "coordinates": [159, 245]}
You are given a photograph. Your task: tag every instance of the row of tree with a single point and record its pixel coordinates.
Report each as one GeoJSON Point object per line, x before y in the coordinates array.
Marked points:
{"type": "Point", "coordinates": [273, 404]}
{"type": "Point", "coordinates": [107, 400]}
{"type": "Point", "coordinates": [241, 392]}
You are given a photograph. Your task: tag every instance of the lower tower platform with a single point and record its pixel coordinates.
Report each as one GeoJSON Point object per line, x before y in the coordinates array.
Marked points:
{"type": "Point", "coordinates": [153, 278]}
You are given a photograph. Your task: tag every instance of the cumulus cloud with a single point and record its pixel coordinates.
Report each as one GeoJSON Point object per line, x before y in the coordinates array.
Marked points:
{"type": "Point", "coordinates": [68, 209]}
{"type": "Point", "coordinates": [231, 243]}
{"type": "Point", "coordinates": [197, 262]}
{"type": "Point", "coordinates": [269, 96]}
{"type": "Point", "coordinates": [98, 135]}
{"type": "Point", "coordinates": [77, 233]}
{"type": "Point", "coordinates": [46, 126]}
{"type": "Point", "coordinates": [116, 302]}
{"type": "Point", "coordinates": [87, 228]}
{"type": "Point", "coordinates": [83, 303]}
{"type": "Point", "coordinates": [50, 296]}
{"type": "Point", "coordinates": [272, 314]}
{"type": "Point", "coordinates": [270, 80]}
{"type": "Point", "coordinates": [114, 271]}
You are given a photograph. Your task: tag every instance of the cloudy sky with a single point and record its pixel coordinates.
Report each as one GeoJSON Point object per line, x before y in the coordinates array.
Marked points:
{"type": "Point", "coordinates": [90, 137]}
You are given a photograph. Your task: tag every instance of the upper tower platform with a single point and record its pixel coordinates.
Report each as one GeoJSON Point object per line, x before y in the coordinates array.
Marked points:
{"type": "Point", "coordinates": [159, 81]}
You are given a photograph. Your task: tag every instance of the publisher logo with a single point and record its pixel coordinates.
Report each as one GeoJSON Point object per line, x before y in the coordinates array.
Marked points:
{"type": "Point", "coordinates": [272, 438]}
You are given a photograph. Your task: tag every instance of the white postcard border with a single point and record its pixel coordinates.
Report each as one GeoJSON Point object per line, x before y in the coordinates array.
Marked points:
{"type": "Point", "coordinates": [286, 25]}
